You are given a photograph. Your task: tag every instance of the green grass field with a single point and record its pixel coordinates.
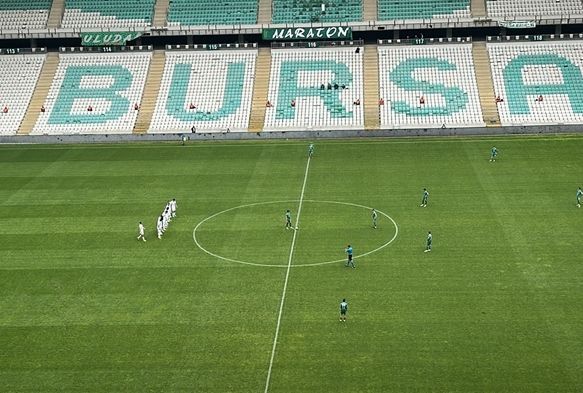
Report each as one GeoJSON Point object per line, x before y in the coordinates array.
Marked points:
{"type": "Point", "coordinates": [495, 307]}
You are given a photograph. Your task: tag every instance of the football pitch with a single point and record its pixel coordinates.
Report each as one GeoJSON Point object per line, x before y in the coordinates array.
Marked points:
{"type": "Point", "coordinates": [230, 301]}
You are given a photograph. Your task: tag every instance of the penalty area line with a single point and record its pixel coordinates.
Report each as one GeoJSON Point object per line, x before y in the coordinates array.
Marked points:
{"type": "Point", "coordinates": [284, 291]}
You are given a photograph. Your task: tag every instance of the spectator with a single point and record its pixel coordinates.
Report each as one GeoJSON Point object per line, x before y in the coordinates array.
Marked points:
{"type": "Point", "coordinates": [422, 100]}
{"type": "Point", "coordinates": [293, 103]}
{"type": "Point", "coordinates": [336, 86]}
{"type": "Point", "coordinates": [192, 106]}
{"type": "Point", "coordinates": [356, 102]}
{"type": "Point", "coordinates": [268, 105]}
{"type": "Point", "coordinates": [357, 50]}
{"type": "Point", "coordinates": [136, 107]}
{"type": "Point", "coordinates": [539, 98]}
{"type": "Point", "coordinates": [499, 99]}
{"type": "Point", "coordinates": [5, 110]}
{"type": "Point", "coordinates": [329, 86]}
{"type": "Point", "coordinates": [322, 87]}
{"type": "Point", "coordinates": [42, 108]}
{"type": "Point", "coordinates": [343, 87]}
{"type": "Point", "coordinates": [381, 102]}
{"type": "Point", "coordinates": [89, 108]}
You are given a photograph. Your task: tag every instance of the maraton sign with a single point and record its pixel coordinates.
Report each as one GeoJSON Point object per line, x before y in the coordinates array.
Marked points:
{"type": "Point", "coordinates": [308, 33]}
{"type": "Point", "coordinates": [517, 24]}
{"type": "Point", "coordinates": [107, 38]}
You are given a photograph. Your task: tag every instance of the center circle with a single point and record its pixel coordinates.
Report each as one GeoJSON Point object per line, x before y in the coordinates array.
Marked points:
{"type": "Point", "coordinates": [309, 201]}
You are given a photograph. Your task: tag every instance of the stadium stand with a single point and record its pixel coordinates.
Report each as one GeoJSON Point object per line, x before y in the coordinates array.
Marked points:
{"type": "Point", "coordinates": [538, 82]}
{"type": "Point", "coordinates": [18, 14]}
{"type": "Point", "coordinates": [208, 90]}
{"type": "Point", "coordinates": [315, 89]}
{"type": "Point", "coordinates": [19, 77]}
{"type": "Point", "coordinates": [307, 11]}
{"type": "Point", "coordinates": [423, 9]}
{"type": "Point", "coordinates": [212, 12]}
{"type": "Point", "coordinates": [533, 8]}
{"type": "Point", "coordinates": [108, 13]}
{"type": "Point", "coordinates": [428, 87]}
{"type": "Point", "coordinates": [94, 94]}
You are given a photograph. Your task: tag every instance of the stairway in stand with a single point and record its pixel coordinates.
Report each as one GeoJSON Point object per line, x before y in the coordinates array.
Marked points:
{"type": "Point", "coordinates": [485, 84]}
{"type": "Point", "coordinates": [372, 119]}
{"type": "Point", "coordinates": [370, 10]}
{"type": "Point", "coordinates": [39, 96]}
{"type": "Point", "coordinates": [56, 14]}
{"type": "Point", "coordinates": [160, 13]}
{"type": "Point", "coordinates": [264, 12]}
{"type": "Point", "coordinates": [478, 8]}
{"type": "Point", "coordinates": [151, 90]}
{"type": "Point", "coordinates": [260, 89]}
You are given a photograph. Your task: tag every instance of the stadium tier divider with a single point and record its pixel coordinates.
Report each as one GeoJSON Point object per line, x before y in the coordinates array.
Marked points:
{"type": "Point", "coordinates": [106, 49]}
{"type": "Point", "coordinates": [212, 46]}
{"type": "Point", "coordinates": [424, 41]}
{"type": "Point", "coordinates": [22, 51]}
{"type": "Point", "coordinates": [318, 44]}
{"type": "Point", "coordinates": [535, 37]}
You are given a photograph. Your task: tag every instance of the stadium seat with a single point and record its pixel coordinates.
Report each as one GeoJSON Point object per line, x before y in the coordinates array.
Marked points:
{"type": "Point", "coordinates": [108, 13]}
{"type": "Point", "coordinates": [307, 11]}
{"type": "Point", "coordinates": [18, 14]}
{"type": "Point", "coordinates": [523, 72]}
{"type": "Point", "coordinates": [422, 9]}
{"type": "Point", "coordinates": [298, 75]}
{"type": "Point", "coordinates": [533, 8]}
{"type": "Point", "coordinates": [212, 12]}
{"type": "Point", "coordinates": [22, 71]}
{"type": "Point", "coordinates": [110, 84]}
{"type": "Point", "coordinates": [428, 87]}
{"type": "Point", "coordinates": [218, 84]}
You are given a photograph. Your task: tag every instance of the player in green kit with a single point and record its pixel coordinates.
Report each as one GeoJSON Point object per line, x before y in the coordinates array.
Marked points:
{"type": "Point", "coordinates": [493, 154]}
{"type": "Point", "coordinates": [429, 242]}
{"type": "Point", "coordinates": [311, 150]}
{"type": "Point", "coordinates": [288, 222]}
{"type": "Point", "coordinates": [579, 196]}
{"type": "Point", "coordinates": [424, 198]}
{"type": "Point", "coordinates": [374, 217]}
{"type": "Point", "coordinates": [343, 310]}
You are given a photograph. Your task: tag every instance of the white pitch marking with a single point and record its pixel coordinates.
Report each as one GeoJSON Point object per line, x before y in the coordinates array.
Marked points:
{"type": "Point", "coordinates": [289, 265]}
{"type": "Point", "coordinates": [195, 238]}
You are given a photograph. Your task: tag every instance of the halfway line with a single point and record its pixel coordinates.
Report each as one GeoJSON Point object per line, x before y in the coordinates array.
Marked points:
{"type": "Point", "coordinates": [289, 264]}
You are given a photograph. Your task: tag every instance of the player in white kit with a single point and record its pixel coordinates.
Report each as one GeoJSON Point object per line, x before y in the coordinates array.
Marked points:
{"type": "Point", "coordinates": [173, 207]}
{"type": "Point", "coordinates": [141, 232]}
{"type": "Point", "coordinates": [160, 227]}
{"type": "Point", "coordinates": [165, 218]}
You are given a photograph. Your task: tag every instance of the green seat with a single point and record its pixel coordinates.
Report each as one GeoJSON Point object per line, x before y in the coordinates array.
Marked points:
{"type": "Point", "coordinates": [212, 12]}
{"type": "Point", "coordinates": [121, 9]}
{"type": "Point", "coordinates": [420, 9]}
{"type": "Point", "coordinates": [307, 11]}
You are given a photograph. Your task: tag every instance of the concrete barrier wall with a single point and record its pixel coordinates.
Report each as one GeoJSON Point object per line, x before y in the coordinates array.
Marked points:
{"type": "Point", "coordinates": [231, 136]}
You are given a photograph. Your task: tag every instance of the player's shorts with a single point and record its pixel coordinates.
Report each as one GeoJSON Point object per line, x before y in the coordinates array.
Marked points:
{"type": "Point", "coordinates": [349, 257]}
{"type": "Point", "coordinates": [342, 312]}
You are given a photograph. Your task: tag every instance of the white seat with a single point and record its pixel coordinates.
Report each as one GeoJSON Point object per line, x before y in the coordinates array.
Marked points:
{"type": "Point", "coordinates": [410, 112]}
{"type": "Point", "coordinates": [136, 63]}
